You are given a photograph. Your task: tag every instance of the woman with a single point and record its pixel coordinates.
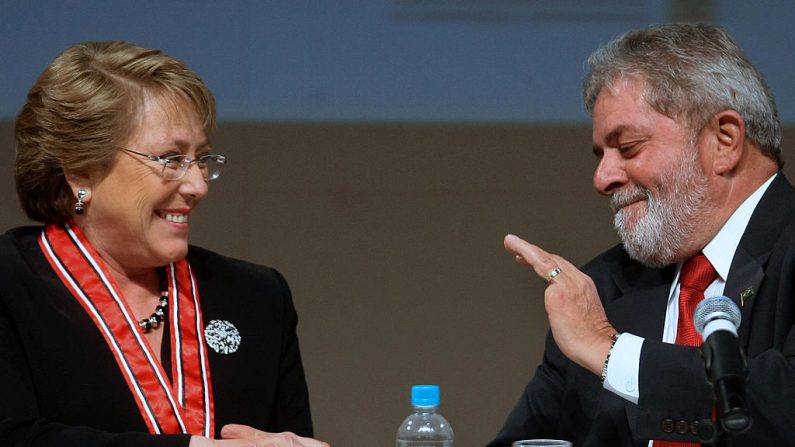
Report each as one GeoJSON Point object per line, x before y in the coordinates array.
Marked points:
{"type": "Point", "coordinates": [113, 331]}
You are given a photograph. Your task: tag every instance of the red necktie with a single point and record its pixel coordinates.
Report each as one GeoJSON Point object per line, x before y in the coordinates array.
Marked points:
{"type": "Point", "coordinates": [697, 273]}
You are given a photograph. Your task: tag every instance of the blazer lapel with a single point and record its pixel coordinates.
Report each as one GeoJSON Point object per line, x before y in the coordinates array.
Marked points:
{"type": "Point", "coordinates": [745, 277]}
{"type": "Point", "coordinates": [773, 213]}
{"type": "Point", "coordinates": [644, 297]}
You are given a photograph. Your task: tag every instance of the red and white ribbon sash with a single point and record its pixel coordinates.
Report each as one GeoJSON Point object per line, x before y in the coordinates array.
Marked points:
{"type": "Point", "coordinates": [184, 406]}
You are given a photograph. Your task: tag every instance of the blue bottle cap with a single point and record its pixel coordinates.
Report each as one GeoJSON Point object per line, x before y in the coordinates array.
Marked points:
{"type": "Point", "coordinates": [425, 395]}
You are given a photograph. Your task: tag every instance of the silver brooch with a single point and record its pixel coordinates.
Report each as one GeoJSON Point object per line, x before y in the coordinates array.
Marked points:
{"type": "Point", "coordinates": [222, 336]}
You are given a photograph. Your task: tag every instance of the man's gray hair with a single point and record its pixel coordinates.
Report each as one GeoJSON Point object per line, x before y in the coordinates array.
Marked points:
{"type": "Point", "coordinates": [691, 72]}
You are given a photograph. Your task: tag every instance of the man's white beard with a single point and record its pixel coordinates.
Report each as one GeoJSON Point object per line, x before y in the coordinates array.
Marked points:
{"type": "Point", "coordinates": [672, 213]}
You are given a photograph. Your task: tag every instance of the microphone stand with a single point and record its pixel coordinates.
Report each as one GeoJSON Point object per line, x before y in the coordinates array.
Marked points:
{"type": "Point", "coordinates": [731, 412]}
{"type": "Point", "coordinates": [717, 320]}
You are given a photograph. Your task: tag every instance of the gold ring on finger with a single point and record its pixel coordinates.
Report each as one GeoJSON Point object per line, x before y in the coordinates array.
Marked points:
{"type": "Point", "coordinates": [552, 275]}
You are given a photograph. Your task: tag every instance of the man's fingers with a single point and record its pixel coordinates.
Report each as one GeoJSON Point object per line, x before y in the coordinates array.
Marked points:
{"type": "Point", "coordinates": [532, 254]}
{"type": "Point", "coordinates": [545, 265]}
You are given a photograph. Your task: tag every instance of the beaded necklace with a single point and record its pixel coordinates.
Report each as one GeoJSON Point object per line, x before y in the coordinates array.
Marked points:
{"type": "Point", "coordinates": [153, 321]}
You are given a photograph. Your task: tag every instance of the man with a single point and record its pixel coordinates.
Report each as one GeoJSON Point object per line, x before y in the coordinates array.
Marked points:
{"type": "Point", "coordinates": [688, 141]}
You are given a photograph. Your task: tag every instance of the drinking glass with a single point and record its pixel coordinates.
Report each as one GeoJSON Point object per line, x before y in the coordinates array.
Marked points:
{"type": "Point", "coordinates": [541, 442]}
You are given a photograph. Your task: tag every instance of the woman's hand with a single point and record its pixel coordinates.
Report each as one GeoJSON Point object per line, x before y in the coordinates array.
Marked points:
{"type": "Point", "coordinates": [235, 435]}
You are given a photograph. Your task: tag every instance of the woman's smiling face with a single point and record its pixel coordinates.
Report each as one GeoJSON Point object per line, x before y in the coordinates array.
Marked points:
{"type": "Point", "coordinates": [135, 218]}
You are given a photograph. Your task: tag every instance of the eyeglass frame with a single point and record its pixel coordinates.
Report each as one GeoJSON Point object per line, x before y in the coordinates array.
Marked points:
{"type": "Point", "coordinates": [184, 164]}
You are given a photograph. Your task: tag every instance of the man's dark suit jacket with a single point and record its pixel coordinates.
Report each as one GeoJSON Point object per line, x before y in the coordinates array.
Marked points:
{"type": "Point", "coordinates": [60, 384]}
{"type": "Point", "coordinates": [566, 401]}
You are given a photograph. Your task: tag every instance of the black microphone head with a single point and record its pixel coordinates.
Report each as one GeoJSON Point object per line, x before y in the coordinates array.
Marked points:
{"type": "Point", "coordinates": [716, 307]}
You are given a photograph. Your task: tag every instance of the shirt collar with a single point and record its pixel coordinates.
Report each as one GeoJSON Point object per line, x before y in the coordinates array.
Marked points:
{"type": "Point", "coordinates": [720, 250]}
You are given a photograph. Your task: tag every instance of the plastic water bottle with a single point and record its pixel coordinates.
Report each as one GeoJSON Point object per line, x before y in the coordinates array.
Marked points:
{"type": "Point", "coordinates": [425, 427]}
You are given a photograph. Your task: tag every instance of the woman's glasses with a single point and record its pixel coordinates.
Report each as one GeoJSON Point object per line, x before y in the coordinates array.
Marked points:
{"type": "Point", "coordinates": [174, 167]}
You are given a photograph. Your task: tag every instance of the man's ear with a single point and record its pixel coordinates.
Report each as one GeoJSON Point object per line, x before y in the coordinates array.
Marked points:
{"type": "Point", "coordinates": [727, 130]}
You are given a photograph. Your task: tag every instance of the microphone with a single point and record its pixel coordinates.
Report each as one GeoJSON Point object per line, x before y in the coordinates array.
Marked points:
{"type": "Point", "coordinates": [716, 319]}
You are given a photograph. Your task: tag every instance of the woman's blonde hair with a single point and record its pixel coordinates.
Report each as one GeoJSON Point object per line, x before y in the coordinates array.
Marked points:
{"type": "Point", "coordinates": [81, 107]}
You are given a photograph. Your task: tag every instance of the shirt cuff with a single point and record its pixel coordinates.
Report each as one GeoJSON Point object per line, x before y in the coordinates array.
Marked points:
{"type": "Point", "coordinates": [623, 367]}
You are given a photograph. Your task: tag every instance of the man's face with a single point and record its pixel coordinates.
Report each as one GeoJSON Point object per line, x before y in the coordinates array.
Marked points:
{"type": "Point", "coordinates": [650, 168]}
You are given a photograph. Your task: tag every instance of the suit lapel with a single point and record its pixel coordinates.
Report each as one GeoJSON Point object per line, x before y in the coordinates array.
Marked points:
{"type": "Point", "coordinates": [773, 213]}
{"type": "Point", "coordinates": [644, 297]}
{"type": "Point", "coordinates": [745, 277]}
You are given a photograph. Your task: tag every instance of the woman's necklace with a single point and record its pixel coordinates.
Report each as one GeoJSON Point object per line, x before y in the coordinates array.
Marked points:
{"type": "Point", "coordinates": [153, 321]}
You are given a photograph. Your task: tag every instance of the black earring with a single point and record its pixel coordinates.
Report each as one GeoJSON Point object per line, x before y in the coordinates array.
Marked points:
{"type": "Point", "coordinates": [80, 206]}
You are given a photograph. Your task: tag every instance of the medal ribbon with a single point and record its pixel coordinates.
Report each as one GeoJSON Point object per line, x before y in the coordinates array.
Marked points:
{"type": "Point", "coordinates": [186, 406]}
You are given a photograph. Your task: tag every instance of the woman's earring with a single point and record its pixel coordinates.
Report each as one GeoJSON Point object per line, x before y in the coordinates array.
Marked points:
{"type": "Point", "coordinates": [80, 207]}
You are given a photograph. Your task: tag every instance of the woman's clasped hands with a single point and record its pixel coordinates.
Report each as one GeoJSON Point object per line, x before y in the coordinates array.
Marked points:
{"type": "Point", "coordinates": [235, 435]}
